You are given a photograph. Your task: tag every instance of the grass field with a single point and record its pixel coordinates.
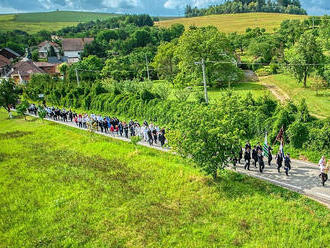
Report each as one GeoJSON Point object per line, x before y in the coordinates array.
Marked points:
{"type": "Point", "coordinates": [34, 22]}
{"type": "Point", "coordinates": [63, 187]}
{"type": "Point", "coordinates": [235, 22]}
{"type": "Point", "coordinates": [318, 105]}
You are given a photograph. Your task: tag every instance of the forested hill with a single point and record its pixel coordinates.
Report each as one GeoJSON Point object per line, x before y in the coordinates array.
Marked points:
{"type": "Point", "coordinates": [245, 6]}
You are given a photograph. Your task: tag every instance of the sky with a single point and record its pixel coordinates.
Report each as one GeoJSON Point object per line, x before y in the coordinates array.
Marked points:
{"type": "Point", "coordinates": [152, 7]}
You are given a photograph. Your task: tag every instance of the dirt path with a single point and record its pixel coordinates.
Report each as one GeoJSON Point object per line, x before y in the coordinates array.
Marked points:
{"type": "Point", "coordinates": [281, 95]}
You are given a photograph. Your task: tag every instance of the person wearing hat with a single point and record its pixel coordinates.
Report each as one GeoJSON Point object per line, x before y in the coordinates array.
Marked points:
{"type": "Point", "coordinates": [287, 164]}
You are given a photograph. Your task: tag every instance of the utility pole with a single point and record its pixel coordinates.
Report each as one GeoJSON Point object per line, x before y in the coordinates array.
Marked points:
{"type": "Point", "coordinates": [77, 76]}
{"type": "Point", "coordinates": [147, 68]}
{"type": "Point", "coordinates": [204, 82]}
{"type": "Point", "coordinates": [204, 79]}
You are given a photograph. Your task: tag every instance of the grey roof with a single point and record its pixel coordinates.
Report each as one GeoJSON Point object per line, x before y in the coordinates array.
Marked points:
{"type": "Point", "coordinates": [55, 60]}
{"type": "Point", "coordinates": [11, 51]}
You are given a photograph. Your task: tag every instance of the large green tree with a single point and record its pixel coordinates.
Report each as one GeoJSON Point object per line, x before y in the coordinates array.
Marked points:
{"type": "Point", "coordinates": [8, 94]}
{"type": "Point", "coordinates": [209, 44]}
{"type": "Point", "coordinates": [305, 57]}
{"type": "Point", "coordinates": [164, 61]}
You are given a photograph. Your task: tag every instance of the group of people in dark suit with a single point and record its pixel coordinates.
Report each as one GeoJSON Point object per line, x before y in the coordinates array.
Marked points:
{"type": "Point", "coordinates": [257, 155]}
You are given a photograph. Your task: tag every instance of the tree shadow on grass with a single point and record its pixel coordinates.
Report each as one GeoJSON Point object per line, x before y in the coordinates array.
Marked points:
{"type": "Point", "coordinates": [14, 134]}
{"type": "Point", "coordinates": [232, 185]}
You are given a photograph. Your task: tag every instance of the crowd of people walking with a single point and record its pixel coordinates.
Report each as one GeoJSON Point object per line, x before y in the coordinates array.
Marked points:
{"type": "Point", "coordinates": [152, 134]}
{"type": "Point", "coordinates": [256, 155]}
{"type": "Point", "coordinates": [148, 132]}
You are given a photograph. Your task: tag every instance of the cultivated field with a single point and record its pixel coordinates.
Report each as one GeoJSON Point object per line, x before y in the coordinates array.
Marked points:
{"type": "Point", "coordinates": [34, 22]}
{"type": "Point", "coordinates": [235, 22]}
{"type": "Point", "coordinates": [63, 187]}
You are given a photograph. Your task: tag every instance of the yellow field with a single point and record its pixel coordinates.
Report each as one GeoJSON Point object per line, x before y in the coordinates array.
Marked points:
{"type": "Point", "coordinates": [235, 22]}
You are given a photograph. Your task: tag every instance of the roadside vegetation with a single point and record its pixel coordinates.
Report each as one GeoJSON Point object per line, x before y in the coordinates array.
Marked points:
{"type": "Point", "coordinates": [65, 187]}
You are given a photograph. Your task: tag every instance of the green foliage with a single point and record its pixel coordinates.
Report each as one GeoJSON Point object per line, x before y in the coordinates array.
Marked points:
{"type": "Point", "coordinates": [135, 140]}
{"type": "Point", "coordinates": [41, 113]}
{"type": "Point", "coordinates": [304, 57]}
{"type": "Point", "coordinates": [8, 94]}
{"type": "Point", "coordinates": [208, 44]}
{"type": "Point", "coordinates": [298, 134]}
{"type": "Point", "coordinates": [22, 108]}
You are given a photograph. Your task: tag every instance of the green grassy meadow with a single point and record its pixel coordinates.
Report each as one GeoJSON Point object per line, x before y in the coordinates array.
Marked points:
{"type": "Point", "coordinates": [63, 187]}
{"type": "Point", "coordinates": [34, 22]}
{"type": "Point", "coordinates": [318, 105]}
{"type": "Point", "coordinates": [235, 22]}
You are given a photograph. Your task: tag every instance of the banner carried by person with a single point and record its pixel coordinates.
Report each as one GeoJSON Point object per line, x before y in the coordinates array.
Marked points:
{"type": "Point", "coordinates": [280, 136]}
{"type": "Point", "coordinates": [282, 149]}
{"type": "Point", "coordinates": [265, 147]}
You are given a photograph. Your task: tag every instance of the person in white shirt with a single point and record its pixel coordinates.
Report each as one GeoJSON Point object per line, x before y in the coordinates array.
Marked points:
{"type": "Point", "coordinates": [324, 170]}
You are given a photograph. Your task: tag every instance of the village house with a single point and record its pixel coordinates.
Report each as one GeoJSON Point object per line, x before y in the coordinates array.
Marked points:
{"type": "Point", "coordinates": [44, 48]}
{"type": "Point", "coordinates": [23, 70]}
{"type": "Point", "coordinates": [74, 47]}
{"type": "Point", "coordinates": [4, 66]}
{"type": "Point", "coordinates": [9, 54]}
{"type": "Point", "coordinates": [49, 68]}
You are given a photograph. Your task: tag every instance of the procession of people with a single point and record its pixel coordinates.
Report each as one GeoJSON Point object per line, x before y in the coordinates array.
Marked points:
{"type": "Point", "coordinates": [257, 155]}
{"type": "Point", "coordinates": [150, 133]}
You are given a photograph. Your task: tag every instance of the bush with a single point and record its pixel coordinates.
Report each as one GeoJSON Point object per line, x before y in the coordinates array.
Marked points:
{"type": "Point", "coordinates": [298, 134]}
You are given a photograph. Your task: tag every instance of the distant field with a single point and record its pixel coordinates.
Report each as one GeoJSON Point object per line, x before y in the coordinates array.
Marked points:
{"type": "Point", "coordinates": [52, 21]}
{"type": "Point", "coordinates": [235, 22]}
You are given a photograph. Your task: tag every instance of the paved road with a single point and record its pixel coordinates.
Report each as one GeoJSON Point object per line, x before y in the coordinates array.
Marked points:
{"type": "Point", "coordinates": [303, 177]}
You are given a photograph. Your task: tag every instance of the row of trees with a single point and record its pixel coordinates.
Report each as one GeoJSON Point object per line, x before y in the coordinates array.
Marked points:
{"type": "Point", "coordinates": [207, 134]}
{"type": "Point", "coordinates": [245, 6]}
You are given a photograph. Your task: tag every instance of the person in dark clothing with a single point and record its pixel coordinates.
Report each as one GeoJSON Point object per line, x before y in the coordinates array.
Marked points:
{"type": "Point", "coordinates": [121, 129]}
{"type": "Point", "coordinates": [270, 156]}
{"type": "Point", "coordinates": [259, 148]}
{"type": "Point", "coordinates": [248, 145]}
{"type": "Point", "coordinates": [150, 140]}
{"type": "Point", "coordinates": [70, 116]}
{"type": "Point", "coordinates": [101, 125]}
{"type": "Point", "coordinates": [105, 125]}
{"type": "Point", "coordinates": [287, 164]}
{"type": "Point", "coordinates": [240, 155]}
{"type": "Point", "coordinates": [132, 131]}
{"type": "Point", "coordinates": [261, 161]}
{"type": "Point", "coordinates": [125, 127]}
{"type": "Point", "coordinates": [255, 156]}
{"type": "Point", "coordinates": [279, 161]}
{"type": "Point", "coordinates": [247, 158]}
{"type": "Point", "coordinates": [161, 137]}
{"type": "Point", "coordinates": [154, 134]}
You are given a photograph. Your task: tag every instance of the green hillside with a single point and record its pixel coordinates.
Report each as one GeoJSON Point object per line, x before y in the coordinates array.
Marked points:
{"type": "Point", "coordinates": [63, 187]}
{"type": "Point", "coordinates": [51, 21]}
{"type": "Point", "coordinates": [62, 16]}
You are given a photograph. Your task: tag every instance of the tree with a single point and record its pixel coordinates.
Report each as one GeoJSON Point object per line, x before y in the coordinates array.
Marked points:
{"type": "Point", "coordinates": [209, 44]}
{"type": "Point", "coordinates": [305, 57]}
{"type": "Point", "coordinates": [8, 94]}
{"type": "Point", "coordinates": [164, 61]}
{"type": "Point", "coordinates": [22, 108]}
{"type": "Point", "coordinates": [35, 55]}
{"type": "Point", "coordinates": [208, 141]}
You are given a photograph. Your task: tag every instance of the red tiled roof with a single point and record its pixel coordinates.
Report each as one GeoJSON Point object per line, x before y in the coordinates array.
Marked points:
{"type": "Point", "coordinates": [75, 44]}
{"type": "Point", "coordinates": [26, 68]}
{"type": "Point", "coordinates": [50, 42]}
{"type": "Point", "coordinates": [44, 64]}
{"type": "Point", "coordinates": [4, 61]}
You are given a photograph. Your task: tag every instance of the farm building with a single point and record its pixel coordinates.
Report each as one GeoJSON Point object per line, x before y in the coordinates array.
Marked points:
{"type": "Point", "coordinates": [23, 70]}
{"type": "Point", "coordinates": [73, 48]}
{"type": "Point", "coordinates": [45, 47]}
{"type": "Point", "coordinates": [9, 54]}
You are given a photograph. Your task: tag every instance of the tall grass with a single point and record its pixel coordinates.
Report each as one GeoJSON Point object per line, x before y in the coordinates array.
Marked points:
{"type": "Point", "coordinates": [62, 187]}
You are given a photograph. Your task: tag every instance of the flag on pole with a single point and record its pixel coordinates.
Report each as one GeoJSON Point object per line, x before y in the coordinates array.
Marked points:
{"type": "Point", "coordinates": [265, 147]}
{"type": "Point", "coordinates": [280, 136]}
{"type": "Point", "coordinates": [282, 149]}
